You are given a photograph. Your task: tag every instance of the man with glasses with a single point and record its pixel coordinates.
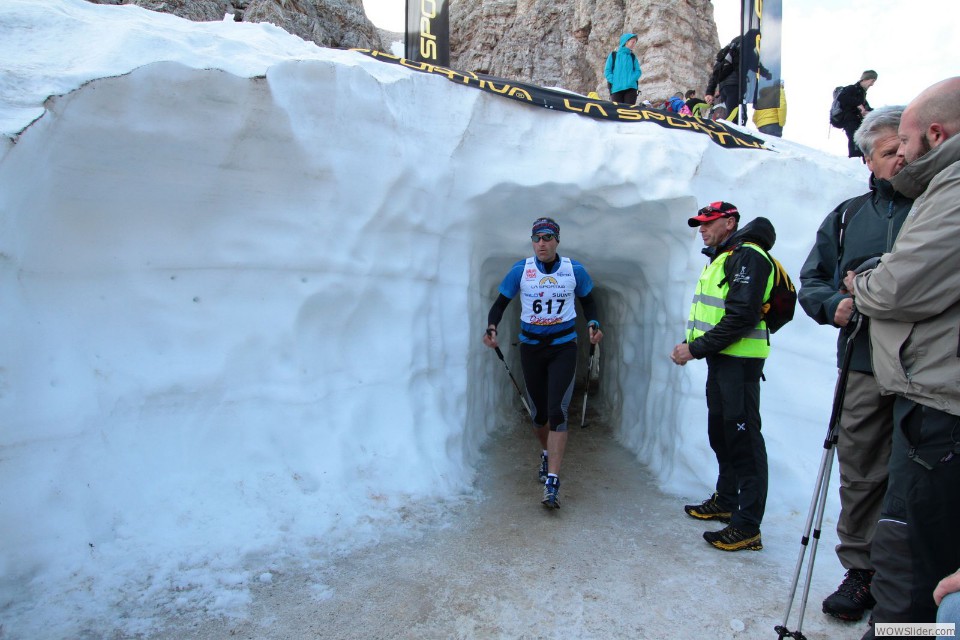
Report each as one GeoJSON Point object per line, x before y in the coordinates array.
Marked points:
{"type": "Point", "coordinates": [727, 328]}
{"type": "Point", "coordinates": [547, 284]}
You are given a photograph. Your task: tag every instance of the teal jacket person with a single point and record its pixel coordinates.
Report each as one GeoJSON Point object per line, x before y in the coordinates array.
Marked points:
{"type": "Point", "coordinates": [622, 69]}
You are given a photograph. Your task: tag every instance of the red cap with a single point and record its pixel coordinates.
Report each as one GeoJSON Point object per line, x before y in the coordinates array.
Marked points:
{"type": "Point", "coordinates": [714, 211]}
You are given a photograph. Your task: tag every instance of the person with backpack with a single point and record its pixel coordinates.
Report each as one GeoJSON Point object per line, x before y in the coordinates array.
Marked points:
{"type": "Point", "coordinates": [728, 79]}
{"type": "Point", "coordinates": [849, 108]}
{"type": "Point", "coordinates": [727, 328]}
{"type": "Point", "coordinates": [623, 72]}
{"type": "Point", "coordinates": [855, 230]}
{"type": "Point", "coordinates": [677, 105]}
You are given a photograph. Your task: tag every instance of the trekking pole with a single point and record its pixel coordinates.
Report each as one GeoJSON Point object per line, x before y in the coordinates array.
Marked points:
{"type": "Point", "coordinates": [819, 499]}
{"type": "Point", "coordinates": [586, 385]}
{"type": "Point", "coordinates": [516, 386]}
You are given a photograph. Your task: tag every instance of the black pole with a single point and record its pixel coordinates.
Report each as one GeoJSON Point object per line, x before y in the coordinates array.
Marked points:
{"type": "Point", "coordinates": [741, 110]}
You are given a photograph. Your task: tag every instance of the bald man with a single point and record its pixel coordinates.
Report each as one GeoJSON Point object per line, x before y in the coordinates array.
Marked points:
{"type": "Point", "coordinates": [913, 301]}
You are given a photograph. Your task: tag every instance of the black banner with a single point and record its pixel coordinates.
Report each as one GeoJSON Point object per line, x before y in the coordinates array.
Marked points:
{"type": "Point", "coordinates": [427, 37]}
{"type": "Point", "coordinates": [717, 131]}
{"type": "Point", "coordinates": [771, 27]}
{"type": "Point", "coordinates": [761, 26]}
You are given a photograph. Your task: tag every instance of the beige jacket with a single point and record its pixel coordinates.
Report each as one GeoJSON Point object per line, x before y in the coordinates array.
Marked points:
{"type": "Point", "coordinates": [913, 296]}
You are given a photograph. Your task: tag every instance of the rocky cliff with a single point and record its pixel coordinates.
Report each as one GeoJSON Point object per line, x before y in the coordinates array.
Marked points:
{"type": "Point", "coordinates": [566, 42]}
{"type": "Point", "coordinates": [553, 43]}
{"type": "Point", "coordinates": [329, 23]}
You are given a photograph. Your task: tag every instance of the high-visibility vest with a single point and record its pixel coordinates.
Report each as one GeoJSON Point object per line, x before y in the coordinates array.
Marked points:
{"type": "Point", "coordinates": [709, 307]}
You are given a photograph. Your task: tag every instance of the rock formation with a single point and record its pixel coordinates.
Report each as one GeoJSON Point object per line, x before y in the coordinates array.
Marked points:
{"type": "Point", "coordinates": [329, 23]}
{"type": "Point", "coordinates": [198, 10]}
{"type": "Point", "coordinates": [565, 43]}
{"type": "Point", "coordinates": [553, 43]}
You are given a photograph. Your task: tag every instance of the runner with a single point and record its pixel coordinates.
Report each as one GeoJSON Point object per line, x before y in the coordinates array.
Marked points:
{"type": "Point", "coordinates": [548, 340]}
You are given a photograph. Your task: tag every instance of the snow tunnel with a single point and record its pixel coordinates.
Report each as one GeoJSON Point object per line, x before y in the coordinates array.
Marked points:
{"type": "Point", "coordinates": [639, 257]}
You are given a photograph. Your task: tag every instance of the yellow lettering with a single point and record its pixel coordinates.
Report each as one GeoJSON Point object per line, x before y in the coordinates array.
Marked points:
{"type": "Point", "coordinates": [428, 49]}
{"type": "Point", "coordinates": [431, 12]}
{"type": "Point", "coordinates": [629, 114]}
{"type": "Point", "coordinates": [518, 93]}
{"type": "Point", "coordinates": [416, 66]}
{"type": "Point", "coordinates": [721, 136]}
{"type": "Point", "coordinates": [486, 84]}
{"type": "Point", "coordinates": [678, 123]}
{"type": "Point", "coordinates": [570, 107]}
{"type": "Point", "coordinates": [653, 115]}
{"type": "Point", "coordinates": [593, 106]}
{"type": "Point", "coordinates": [449, 74]}
{"type": "Point", "coordinates": [425, 28]}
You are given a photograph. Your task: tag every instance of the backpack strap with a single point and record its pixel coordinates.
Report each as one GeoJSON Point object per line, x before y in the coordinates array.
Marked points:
{"type": "Point", "coordinates": [854, 205]}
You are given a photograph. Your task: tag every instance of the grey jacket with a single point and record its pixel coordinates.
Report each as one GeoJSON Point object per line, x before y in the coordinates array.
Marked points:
{"type": "Point", "coordinates": [913, 296]}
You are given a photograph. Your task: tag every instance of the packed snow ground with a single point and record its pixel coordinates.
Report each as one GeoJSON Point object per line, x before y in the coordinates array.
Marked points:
{"type": "Point", "coordinates": [245, 280]}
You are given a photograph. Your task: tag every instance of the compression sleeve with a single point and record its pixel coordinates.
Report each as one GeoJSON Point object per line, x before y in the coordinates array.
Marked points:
{"type": "Point", "coordinates": [496, 311]}
{"type": "Point", "coordinates": [589, 307]}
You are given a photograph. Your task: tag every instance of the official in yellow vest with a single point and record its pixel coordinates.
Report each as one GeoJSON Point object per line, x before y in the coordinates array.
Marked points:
{"type": "Point", "coordinates": [726, 327]}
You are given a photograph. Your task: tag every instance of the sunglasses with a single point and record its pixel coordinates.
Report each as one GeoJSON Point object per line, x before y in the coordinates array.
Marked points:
{"type": "Point", "coordinates": [715, 208]}
{"type": "Point", "coordinates": [546, 237]}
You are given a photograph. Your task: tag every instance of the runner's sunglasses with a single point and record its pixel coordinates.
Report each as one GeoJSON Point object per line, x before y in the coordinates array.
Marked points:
{"type": "Point", "coordinates": [546, 237]}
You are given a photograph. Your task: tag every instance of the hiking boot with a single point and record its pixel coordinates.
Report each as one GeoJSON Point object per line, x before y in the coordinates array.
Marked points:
{"type": "Point", "coordinates": [551, 491]}
{"type": "Point", "coordinates": [707, 510]}
{"type": "Point", "coordinates": [543, 468]}
{"type": "Point", "coordinates": [732, 539]}
{"type": "Point", "coordinates": [852, 598]}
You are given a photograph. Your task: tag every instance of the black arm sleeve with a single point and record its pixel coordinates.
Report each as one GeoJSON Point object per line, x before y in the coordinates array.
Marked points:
{"type": "Point", "coordinates": [742, 305]}
{"type": "Point", "coordinates": [496, 311]}
{"type": "Point", "coordinates": [589, 306]}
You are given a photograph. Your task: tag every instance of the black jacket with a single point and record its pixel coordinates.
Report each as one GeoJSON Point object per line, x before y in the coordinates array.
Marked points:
{"type": "Point", "coordinates": [745, 295]}
{"type": "Point", "coordinates": [872, 227]}
{"type": "Point", "coordinates": [727, 63]}
{"type": "Point", "coordinates": [850, 99]}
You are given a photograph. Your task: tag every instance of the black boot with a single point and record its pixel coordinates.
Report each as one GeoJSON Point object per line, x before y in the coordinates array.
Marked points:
{"type": "Point", "coordinates": [852, 598]}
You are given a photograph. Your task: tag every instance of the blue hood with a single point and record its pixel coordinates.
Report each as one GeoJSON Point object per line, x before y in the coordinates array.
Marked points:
{"type": "Point", "coordinates": [625, 37]}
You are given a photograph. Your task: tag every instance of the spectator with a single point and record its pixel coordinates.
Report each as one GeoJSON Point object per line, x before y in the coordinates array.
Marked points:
{"type": "Point", "coordinates": [857, 228]}
{"type": "Point", "coordinates": [692, 99]}
{"type": "Point", "coordinates": [622, 71]}
{"type": "Point", "coordinates": [947, 597]}
{"type": "Point", "coordinates": [728, 78]}
{"type": "Point", "coordinates": [677, 105]}
{"type": "Point", "coordinates": [726, 327]}
{"type": "Point", "coordinates": [854, 107]}
{"type": "Point", "coordinates": [770, 110]}
{"type": "Point", "coordinates": [912, 298]}
{"type": "Point", "coordinates": [702, 109]}
{"type": "Point", "coordinates": [719, 112]}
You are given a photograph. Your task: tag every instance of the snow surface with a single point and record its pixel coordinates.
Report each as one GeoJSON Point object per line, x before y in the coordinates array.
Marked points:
{"type": "Point", "coordinates": [244, 284]}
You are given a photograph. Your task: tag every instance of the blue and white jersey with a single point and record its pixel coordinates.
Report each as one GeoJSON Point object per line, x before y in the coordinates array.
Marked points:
{"type": "Point", "coordinates": [547, 299]}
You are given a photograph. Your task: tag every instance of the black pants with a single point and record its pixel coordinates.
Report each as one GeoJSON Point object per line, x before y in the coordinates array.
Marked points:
{"type": "Point", "coordinates": [549, 373]}
{"type": "Point", "coordinates": [627, 96]}
{"type": "Point", "coordinates": [915, 544]}
{"type": "Point", "coordinates": [730, 96]}
{"type": "Point", "coordinates": [853, 151]}
{"type": "Point", "coordinates": [733, 426]}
